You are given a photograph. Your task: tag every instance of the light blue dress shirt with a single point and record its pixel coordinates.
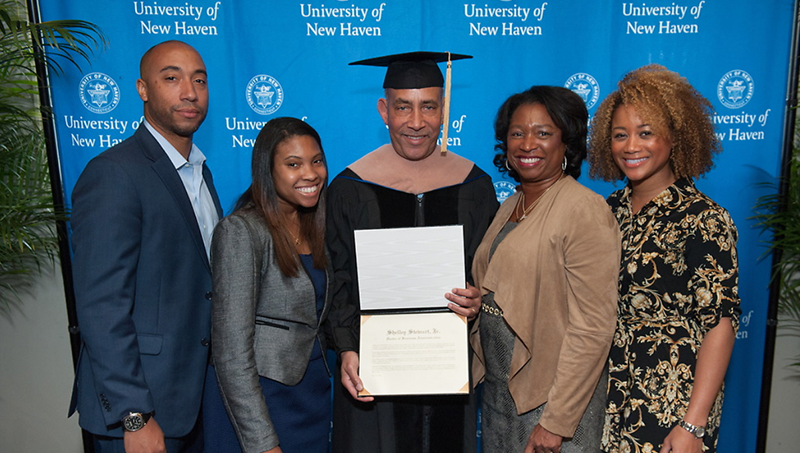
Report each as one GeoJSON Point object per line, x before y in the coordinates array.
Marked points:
{"type": "Point", "coordinates": [191, 173]}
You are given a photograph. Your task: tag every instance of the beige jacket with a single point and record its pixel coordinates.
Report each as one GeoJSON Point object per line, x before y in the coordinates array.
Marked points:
{"type": "Point", "coordinates": [555, 278]}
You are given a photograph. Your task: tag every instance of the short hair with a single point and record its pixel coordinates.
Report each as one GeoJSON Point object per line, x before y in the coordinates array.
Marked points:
{"type": "Point", "coordinates": [263, 197]}
{"type": "Point", "coordinates": [566, 109]}
{"type": "Point", "coordinates": [672, 107]}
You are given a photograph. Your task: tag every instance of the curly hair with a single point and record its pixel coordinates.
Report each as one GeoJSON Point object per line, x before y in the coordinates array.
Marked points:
{"type": "Point", "coordinates": [672, 107]}
{"type": "Point", "coordinates": [566, 109]}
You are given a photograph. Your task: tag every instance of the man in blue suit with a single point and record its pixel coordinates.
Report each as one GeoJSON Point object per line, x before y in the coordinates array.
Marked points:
{"type": "Point", "coordinates": [142, 218]}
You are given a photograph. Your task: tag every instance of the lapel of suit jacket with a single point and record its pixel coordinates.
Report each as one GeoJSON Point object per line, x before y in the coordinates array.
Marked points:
{"type": "Point", "coordinates": [211, 189]}
{"type": "Point", "coordinates": [172, 181]}
{"type": "Point", "coordinates": [328, 294]}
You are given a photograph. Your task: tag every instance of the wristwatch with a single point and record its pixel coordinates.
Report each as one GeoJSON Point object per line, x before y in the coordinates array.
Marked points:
{"type": "Point", "coordinates": [698, 431]}
{"type": "Point", "coordinates": [135, 421]}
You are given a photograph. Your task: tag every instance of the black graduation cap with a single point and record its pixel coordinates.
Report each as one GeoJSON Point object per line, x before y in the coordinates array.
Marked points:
{"type": "Point", "coordinates": [415, 70]}
{"type": "Point", "coordinates": [412, 70]}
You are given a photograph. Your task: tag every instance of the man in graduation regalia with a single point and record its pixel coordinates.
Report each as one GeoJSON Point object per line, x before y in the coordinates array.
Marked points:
{"type": "Point", "coordinates": [409, 182]}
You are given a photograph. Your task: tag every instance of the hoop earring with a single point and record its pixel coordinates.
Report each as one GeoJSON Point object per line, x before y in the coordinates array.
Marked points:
{"type": "Point", "coordinates": [564, 164]}
{"type": "Point", "coordinates": [507, 167]}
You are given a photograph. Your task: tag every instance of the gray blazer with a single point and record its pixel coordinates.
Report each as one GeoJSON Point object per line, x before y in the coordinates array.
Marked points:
{"type": "Point", "coordinates": [263, 324]}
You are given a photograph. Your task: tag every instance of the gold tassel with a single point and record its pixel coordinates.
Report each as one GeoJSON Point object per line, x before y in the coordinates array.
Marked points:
{"type": "Point", "coordinates": [446, 106]}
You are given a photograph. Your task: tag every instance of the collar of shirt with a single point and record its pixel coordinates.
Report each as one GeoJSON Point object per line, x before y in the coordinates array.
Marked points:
{"type": "Point", "coordinates": [196, 157]}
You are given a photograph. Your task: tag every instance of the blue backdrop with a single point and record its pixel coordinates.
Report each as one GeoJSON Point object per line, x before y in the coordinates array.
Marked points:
{"type": "Point", "coordinates": [289, 58]}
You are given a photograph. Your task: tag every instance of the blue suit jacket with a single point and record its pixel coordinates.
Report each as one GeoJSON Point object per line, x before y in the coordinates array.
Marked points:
{"type": "Point", "coordinates": [142, 287]}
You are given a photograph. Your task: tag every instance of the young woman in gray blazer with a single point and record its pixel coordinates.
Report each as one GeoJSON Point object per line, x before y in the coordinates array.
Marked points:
{"type": "Point", "coordinates": [271, 283]}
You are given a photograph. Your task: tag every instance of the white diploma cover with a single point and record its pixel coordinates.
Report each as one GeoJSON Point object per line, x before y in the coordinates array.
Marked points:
{"type": "Point", "coordinates": [405, 351]}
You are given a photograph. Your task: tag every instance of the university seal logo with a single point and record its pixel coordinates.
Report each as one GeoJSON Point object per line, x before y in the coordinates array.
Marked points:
{"type": "Point", "coordinates": [504, 189]}
{"type": "Point", "coordinates": [264, 94]}
{"type": "Point", "coordinates": [735, 89]}
{"type": "Point", "coordinates": [99, 93]}
{"type": "Point", "coordinates": [585, 86]}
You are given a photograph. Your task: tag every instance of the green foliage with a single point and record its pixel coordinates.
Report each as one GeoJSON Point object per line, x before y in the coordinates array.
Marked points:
{"type": "Point", "coordinates": [780, 216]}
{"type": "Point", "coordinates": [27, 216]}
{"type": "Point", "coordinates": [785, 226]}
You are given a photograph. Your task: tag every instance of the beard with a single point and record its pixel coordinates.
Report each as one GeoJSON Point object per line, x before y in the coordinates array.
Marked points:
{"type": "Point", "coordinates": [169, 120]}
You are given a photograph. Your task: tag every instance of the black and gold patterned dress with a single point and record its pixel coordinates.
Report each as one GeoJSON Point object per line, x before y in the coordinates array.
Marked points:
{"type": "Point", "coordinates": [678, 278]}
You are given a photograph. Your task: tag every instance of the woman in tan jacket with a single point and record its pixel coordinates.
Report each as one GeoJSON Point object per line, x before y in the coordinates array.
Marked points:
{"type": "Point", "coordinates": [547, 269]}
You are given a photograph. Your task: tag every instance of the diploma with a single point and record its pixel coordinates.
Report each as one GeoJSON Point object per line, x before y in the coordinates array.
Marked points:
{"type": "Point", "coordinates": [404, 351]}
{"type": "Point", "coordinates": [414, 354]}
{"type": "Point", "coordinates": [409, 268]}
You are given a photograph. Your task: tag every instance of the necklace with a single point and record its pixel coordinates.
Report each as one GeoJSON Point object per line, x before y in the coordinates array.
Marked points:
{"type": "Point", "coordinates": [521, 202]}
{"type": "Point", "coordinates": [296, 239]}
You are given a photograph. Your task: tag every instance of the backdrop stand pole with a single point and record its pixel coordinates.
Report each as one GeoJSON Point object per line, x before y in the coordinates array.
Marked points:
{"type": "Point", "coordinates": [54, 165]}
{"type": "Point", "coordinates": [787, 154]}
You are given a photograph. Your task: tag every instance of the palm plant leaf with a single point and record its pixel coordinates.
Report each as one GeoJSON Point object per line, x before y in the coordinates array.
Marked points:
{"type": "Point", "coordinates": [779, 215]}
{"type": "Point", "coordinates": [27, 216]}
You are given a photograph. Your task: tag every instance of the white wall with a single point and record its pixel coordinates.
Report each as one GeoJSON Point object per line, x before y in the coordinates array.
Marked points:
{"type": "Point", "coordinates": [36, 374]}
{"type": "Point", "coordinates": [783, 434]}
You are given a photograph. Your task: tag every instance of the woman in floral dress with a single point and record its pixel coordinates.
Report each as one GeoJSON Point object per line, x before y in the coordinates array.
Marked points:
{"type": "Point", "coordinates": [678, 285]}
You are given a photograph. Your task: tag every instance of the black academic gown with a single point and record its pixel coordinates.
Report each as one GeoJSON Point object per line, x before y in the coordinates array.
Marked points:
{"type": "Point", "coordinates": [398, 424]}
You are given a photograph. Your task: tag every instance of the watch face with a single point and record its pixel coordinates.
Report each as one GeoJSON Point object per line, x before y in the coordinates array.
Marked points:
{"type": "Point", "coordinates": [133, 422]}
{"type": "Point", "coordinates": [697, 431]}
